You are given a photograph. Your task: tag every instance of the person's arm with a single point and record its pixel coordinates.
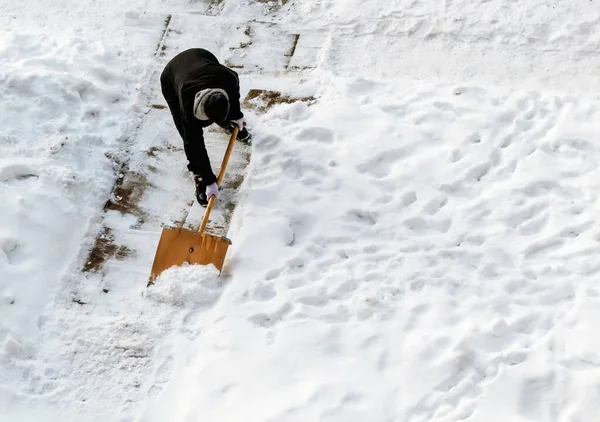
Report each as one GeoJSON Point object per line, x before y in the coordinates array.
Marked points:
{"type": "Point", "coordinates": [233, 92]}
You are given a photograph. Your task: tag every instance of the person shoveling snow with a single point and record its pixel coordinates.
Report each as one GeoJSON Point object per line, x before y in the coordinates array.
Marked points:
{"type": "Point", "coordinates": [201, 91]}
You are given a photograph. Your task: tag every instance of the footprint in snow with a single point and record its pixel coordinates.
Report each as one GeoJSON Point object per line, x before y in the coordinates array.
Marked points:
{"type": "Point", "coordinates": [316, 134]}
{"type": "Point", "coordinates": [473, 138]}
{"type": "Point", "coordinates": [263, 293]}
{"type": "Point", "coordinates": [317, 300]}
{"type": "Point", "coordinates": [542, 247]}
{"type": "Point", "coordinates": [541, 188]}
{"type": "Point", "coordinates": [435, 205]}
{"type": "Point", "coordinates": [163, 372]}
{"type": "Point", "coordinates": [267, 320]}
{"type": "Point", "coordinates": [575, 231]}
{"type": "Point", "coordinates": [17, 172]}
{"type": "Point", "coordinates": [416, 224]}
{"type": "Point", "coordinates": [340, 315]}
{"type": "Point", "coordinates": [394, 110]}
{"type": "Point", "coordinates": [409, 198]}
{"type": "Point", "coordinates": [8, 250]}
{"type": "Point", "coordinates": [380, 165]}
{"type": "Point", "coordinates": [189, 326]}
{"type": "Point", "coordinates": [456, 155]}
{"type": "Point", "coordinates": [534, 225]}
{"type": "Point", "coordinates": [444, 106]}
{"type": "Point", "coordinates": [522, 214]}
{"type": "Point", "coordinates": [534, 392]}
{"type": "Point", "coordinates": [477, 172]}
{"type": "Point", "coordinates": [415, 315]}
{"type": "Point", "coordinates": [361, 86]}
{"type": "Point", "coordinates": [268, 143]}
{"type": "Point", "coordinates": [162, 375]}
{"type": "Point", "coordinates": [362, 216]}
{"type": "Point", "coordinates": [292, 169]}
{"type": "Point", "coordinates": [506, 141]}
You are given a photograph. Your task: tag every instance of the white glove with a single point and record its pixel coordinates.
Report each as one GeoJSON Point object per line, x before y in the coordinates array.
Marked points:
{"type": "Point", "coordinates": [240, 122]}
{"type": "Point", "coordinates": [212, 190]}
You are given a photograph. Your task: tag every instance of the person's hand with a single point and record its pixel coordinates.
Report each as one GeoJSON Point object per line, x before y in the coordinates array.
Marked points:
{"type": "Point", "coordinates": [240, 123]}
{"type": "Point", "coordinates": [212, 190]}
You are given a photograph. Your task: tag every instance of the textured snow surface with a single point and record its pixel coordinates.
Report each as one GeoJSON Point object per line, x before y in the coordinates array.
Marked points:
{"type": "Point", "coordinates": [440, 268]}
{"type": "Point", "coordinates": [415, 238]}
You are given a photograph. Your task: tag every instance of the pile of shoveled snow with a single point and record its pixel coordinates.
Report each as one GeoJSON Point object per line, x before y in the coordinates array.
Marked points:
{"type": "Point", "coordinates": [406, 253]}
{"type": "Point", "coordinates": [65, 103]}
{"type": "Point", "coordinates": [188, 285]}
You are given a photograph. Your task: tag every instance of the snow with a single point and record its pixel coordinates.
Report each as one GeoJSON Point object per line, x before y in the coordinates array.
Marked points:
{"type": "Point", "coordinates": [443, 261]}
{"type": "Point", "coordinates": [413, 239]}
{"type": "Point", "coordinates": [187, 285]}
{"type": "Point", "coordinates": [59, 118]}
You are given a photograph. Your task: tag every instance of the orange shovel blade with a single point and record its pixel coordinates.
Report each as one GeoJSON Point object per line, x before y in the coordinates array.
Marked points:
{"type": "Point", "coordinates": [178, 246]}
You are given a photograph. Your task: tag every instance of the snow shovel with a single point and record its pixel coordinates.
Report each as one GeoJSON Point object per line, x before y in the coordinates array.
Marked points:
{"type": "Point", "coordinates": [178, 245]}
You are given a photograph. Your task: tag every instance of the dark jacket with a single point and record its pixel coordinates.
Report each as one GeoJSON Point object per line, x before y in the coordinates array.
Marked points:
{"type": "Point", "coordinates": [186, 74]}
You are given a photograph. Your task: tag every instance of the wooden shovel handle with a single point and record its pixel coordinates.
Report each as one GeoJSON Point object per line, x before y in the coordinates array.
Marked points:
{"type": "Point", "coordinates": [211, 201]}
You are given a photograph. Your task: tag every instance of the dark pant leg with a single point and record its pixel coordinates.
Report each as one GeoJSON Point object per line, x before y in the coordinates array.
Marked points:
{"type": "Point", "coordinates": [172, 100]}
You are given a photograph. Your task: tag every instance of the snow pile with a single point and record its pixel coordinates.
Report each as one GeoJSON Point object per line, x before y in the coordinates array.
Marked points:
{"type": "Point", "coordinates": [188, 285]}
{"type": "Point", "coordinates": [63, 108]}
{"type": "Point", "coordinates": [430, 242]}
{"type": "Point", "coordinates": [65, 103]}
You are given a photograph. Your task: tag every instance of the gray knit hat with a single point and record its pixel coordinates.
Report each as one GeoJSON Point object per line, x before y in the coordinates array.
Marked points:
{"type": "Point", "coordinates": [211, 104]}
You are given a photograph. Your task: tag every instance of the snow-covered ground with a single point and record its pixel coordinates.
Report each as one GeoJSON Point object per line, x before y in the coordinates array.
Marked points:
{"type": "Point", "coordinates": [413, 240]}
